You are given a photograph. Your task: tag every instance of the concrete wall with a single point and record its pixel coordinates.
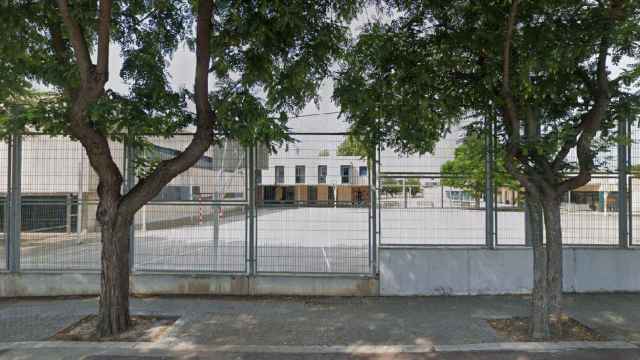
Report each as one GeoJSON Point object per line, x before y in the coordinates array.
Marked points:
{"type": "Point", "coordinates": [64, 284]}
{"type": "Point", "coordinates": [403, 271]}
{"type": "Point", "coordinates": [467, 271]}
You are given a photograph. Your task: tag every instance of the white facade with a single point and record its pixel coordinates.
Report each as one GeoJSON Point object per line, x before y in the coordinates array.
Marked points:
{"type": "Point", "coordinates": [57, 165]}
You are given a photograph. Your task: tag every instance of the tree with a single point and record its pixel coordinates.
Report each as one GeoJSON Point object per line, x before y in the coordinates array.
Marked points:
{"type": "Point", "coordinates": [391, 187]}
{"type": "Point", "coordinates": [268, 58]}
{"type": "Point", "coordinates": [413, 186]}
{"type": "Point", "coordinates": [467, 170]}
{"type": "Point", "coordinates": [352, 146]}
{"type": "Point", "coordinates": [538, 71]}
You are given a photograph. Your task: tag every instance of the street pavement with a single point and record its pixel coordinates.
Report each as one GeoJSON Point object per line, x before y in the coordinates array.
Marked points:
{"type": "Point", "coordinates": [314, 327]}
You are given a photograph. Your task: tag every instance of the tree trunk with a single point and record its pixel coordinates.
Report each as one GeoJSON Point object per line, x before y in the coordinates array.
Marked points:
{"type": "Point", "coordinates": [113, 311]}
{"type": "Point", "coordinates": [553, 230]}
{"type": "Point", "coordinates": [539, 323]}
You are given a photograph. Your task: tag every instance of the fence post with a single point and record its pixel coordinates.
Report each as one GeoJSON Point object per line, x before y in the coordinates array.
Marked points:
{"type": "Point", "coordinates": [6, 208]}
{"type": "Point", "coordinates": [488, 193]}
{"type": "Point", "coordinates": [252, 210]}
{"type": "Point", "coordinates": [378, 205]}
{"type": "Point", "coordinates": [130, 180]}
{"type": "Point", "coordinates": [8, 205]}
{"type": "Point", "coordinates": [68, 205]}
{"type": "Point", "coordinates": [623, 237]}
{"type": "Point", "coordinates": [15, 206]}
{"type": "Point", "coordinates": [373, 220]}
{"type": "Point", "coordinates": [630, 186]}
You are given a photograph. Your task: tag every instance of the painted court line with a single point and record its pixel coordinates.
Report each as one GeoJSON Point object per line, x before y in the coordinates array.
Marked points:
{"type": "Point", "coordinates": [326, 259]}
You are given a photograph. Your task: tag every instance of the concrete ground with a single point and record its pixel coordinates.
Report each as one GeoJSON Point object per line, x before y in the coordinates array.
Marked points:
{"type": "Point", "coordinates": [281, 324]}
{"type": "Point", "coordinates": [310, 240]}
{"type": "Point", "coordinates": [86, 354]}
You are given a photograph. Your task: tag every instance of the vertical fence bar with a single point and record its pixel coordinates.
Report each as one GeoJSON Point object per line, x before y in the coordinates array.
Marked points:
{"type": "Point", "coordinates": [7, 206]}
{"type": "Point", "coordinates": [377, 184]}
{"type": "Point", "coordinates": [629, 185]}
{"type": "Point", "coordinates": [623, 238]}
{"type": "Point", "coordinates": [80, 199]}
{"type": "Point", "coordinates": [252, 211]}
{"type": "Point", "coordinates": [488, 195]}
{"type": "Point", "coordinates": [630, 210]}
{"type": "Point", "coordinates": [130, 180]}
{"type": "Point", "coordinates": [373, 208]}
{"type": "Point", "coordinates": [15, 202]}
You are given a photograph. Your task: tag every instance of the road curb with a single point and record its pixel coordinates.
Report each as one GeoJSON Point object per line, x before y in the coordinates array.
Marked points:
{"type": "Point", "coordinates": [177, 347]}
{"type": "Point", "coordinates": [537, 346]}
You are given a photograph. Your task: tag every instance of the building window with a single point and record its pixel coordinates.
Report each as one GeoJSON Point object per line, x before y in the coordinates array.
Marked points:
{"type": "Point", "coordinates": [322, 174]}
{"type": "Point", "coordinates": [299, 174]}
{"type": "Point", "coordinates": [313, 194]}
{"type": "Point", "coordinates": [279, 174]}
{"type": "Point", "coordinates": [345, 174]}
{"type": "Point", "coordinates": [363, 171]}
{"type": "Point", "coordinates": [269, 193]}
{"type": "Point", "coordinates": [289, 193]}
{"type": "Point", "coordinates": [258, 176]}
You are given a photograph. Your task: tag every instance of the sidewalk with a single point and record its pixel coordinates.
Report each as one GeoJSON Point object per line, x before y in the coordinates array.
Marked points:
{"type": "Point", "coordinates": [296, 324]}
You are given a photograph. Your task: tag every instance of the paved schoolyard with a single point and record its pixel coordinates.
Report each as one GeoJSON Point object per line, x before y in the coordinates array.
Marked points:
{"type": "Point", "coordinates": [309, 239]}
{"type": "Point", "coordinates": [310, 322]}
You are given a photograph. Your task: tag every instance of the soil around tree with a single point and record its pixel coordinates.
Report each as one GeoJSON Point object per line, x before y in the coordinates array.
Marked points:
{"type": "Point", "coordinates": [517, 329]}
{"type": "Point", "coordinates": [143, 329]}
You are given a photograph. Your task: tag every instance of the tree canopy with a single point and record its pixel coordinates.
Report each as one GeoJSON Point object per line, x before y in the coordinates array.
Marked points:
{"type": "Point", "coordinates": [352, 146]}
{"type": "Point", "coordinates": [267, 60]}
{"type": "Point", "coordinates": [404, 82]}
{"type": "Point", "coordinates": [467, 169]}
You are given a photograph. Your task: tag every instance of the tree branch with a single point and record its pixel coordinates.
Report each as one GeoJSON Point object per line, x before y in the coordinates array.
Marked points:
{"type": "Point", "coordinates": [148, 187]}
{"type": "Point", "coordinates": [104, 31]}
{"type": "Point", "coordinates": [58, 44]}
{"type": "Point", "coordinates": [510, 113]}
{"type": "Point", "coordinates": [591, 121]}
{"type": "Point", "coordinates": [77, 40]}
{"type": "Point", "coordinates": [523, 179]}
{"type": "Point", "coordinates": [532, 133]}
{"type": "Point", "coordinates": [90, 90]}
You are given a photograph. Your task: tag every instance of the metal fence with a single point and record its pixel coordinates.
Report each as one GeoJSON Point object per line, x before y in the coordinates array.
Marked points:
{"type": "Point", "coordinates": [199, 221]}
{"type": "Point", "coordinates": [313, 206]}
{"type": "Point", "coordinates": [426, 200]}
{"type": "Point", "coordinates": [427, 210]}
